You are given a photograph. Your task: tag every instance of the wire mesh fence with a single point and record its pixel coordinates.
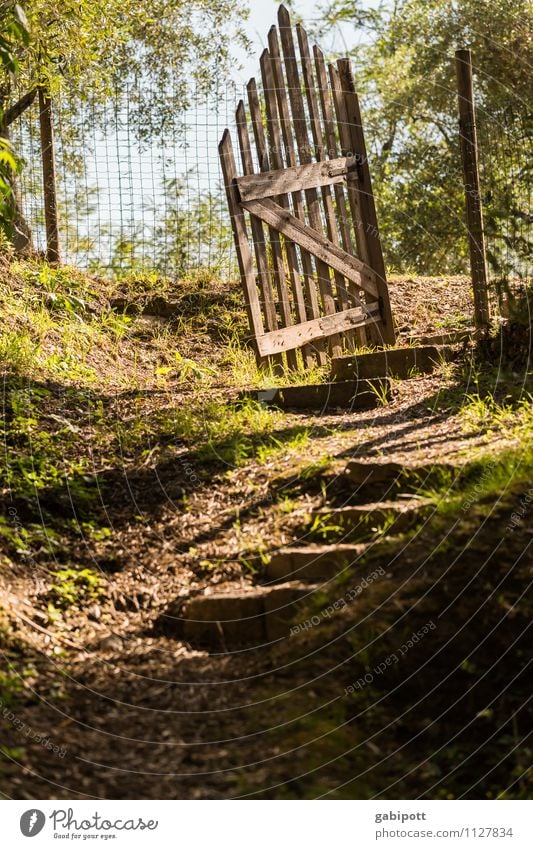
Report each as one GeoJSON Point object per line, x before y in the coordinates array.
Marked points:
{"type": "Point", "coordinates": [505, 142]}
{"type": "Point", "coordinates": [506, 168]}
{"type": "Point", "coordinates": [132, 200]}
{"type": "Point", "coordinates": [135, 195]}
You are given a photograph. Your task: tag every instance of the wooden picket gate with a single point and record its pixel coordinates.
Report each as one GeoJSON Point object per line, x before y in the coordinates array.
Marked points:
{"type": "Point", "coordinates": [318, 280]}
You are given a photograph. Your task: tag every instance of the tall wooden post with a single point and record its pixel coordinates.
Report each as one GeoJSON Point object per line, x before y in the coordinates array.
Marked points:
{"type": "Point", "coordinates": [474, 214]}
{"type": "Point", "coordinates": [53, 253]}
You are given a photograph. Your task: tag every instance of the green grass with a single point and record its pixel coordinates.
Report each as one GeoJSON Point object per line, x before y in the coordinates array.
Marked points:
{"type": "Point", "coordinates": [245, 372]}
{"type": "Point", "coordinates": [509, 417]}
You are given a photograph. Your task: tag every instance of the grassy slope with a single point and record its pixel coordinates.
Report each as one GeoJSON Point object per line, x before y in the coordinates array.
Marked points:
{"type": "Point", "coordinates": [96, 395]}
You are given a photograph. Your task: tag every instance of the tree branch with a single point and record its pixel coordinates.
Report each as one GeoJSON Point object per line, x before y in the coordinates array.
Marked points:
{"type": "Point", "coordinates": [18, 108]}
{"type": "Point", "coordinates": [430, 119]}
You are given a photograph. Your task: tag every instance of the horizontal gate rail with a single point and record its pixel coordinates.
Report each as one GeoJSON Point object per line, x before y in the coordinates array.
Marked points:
{"type": "Point", "coordinates": [289, 180]}
{"type": "Point", "coordinates": [297, 335]}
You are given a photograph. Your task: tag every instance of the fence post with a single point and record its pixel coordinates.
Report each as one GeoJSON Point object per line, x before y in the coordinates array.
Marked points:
{"type": "Point", "coordinates": [53, 253]}
{"type": "Point", "coordinates": [470, 159]}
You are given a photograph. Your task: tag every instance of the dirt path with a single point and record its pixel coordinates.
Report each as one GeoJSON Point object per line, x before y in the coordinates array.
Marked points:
{"type": "Point", "coordinates": [144, 715]}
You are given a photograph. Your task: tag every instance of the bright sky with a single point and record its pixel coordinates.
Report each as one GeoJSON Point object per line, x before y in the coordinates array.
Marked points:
{"type": "Point", "coordinates": [263, 13]}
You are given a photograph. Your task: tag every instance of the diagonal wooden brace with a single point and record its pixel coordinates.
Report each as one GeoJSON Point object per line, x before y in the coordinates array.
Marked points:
{"type": "Point", "coordinates": [314, 242]}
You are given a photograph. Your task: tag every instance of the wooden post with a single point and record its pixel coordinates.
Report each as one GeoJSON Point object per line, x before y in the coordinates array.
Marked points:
{"type": "Point", "coordinates": [53, 253]}
{"type": "Point", "coordinates": [474, 214]}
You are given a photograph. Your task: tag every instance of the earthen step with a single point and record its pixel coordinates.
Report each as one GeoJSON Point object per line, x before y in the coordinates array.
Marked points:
{"type": "Point", "coordinates": [451, 337]}
{"type": "Point", "coordinates": [397, 362]}
{"type": "Point", "coordinates": [383, 478]}
{"type": "Point", "coordinates": [237, 616]}
{"type": "Point", "coordinates": [313, 562]}
{"type": "Point", "coordinates": [357, 522]}
{"type": "Point", "coordinates": [344, 394]}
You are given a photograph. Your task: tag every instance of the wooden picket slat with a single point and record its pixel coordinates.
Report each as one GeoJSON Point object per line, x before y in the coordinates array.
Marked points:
{"type": "Point", "coordinates": [240, 237]}
{"type": "Point", "coordinates": [256, 224]}
{"type": "Point", "coordinates": [318, 139]}
{"type": "Point", "coordinates": [274, 137]}
{"type": "Point", "coordinates": [258, 236]}
{"type": "Point", "coordinates": [354, 196]}
{"type": "Point", "coordinates": [367, 205]}
{"type": "Point", "coordinates": [313, 289]}
{"type": "Point", "coordinates": [313, 309]}
{"type": "Point", "coordinates": [275, 243]}
{"type": "Point", "coordinates": [299, 334]}
{"type": "Point", "coordinates": [304, 155]}
{"type": "Point", "coordinates": [326, 106]}
{"type": "Point", "coordinates": [346, 149]}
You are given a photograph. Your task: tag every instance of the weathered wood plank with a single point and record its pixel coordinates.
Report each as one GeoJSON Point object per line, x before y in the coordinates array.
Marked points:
{"type": "Point", "coordinates": [326, 106]}
{"type": "Point", "coordinates": [343, 296]}
{"type": "Point", "coordinates": [275, 244]}
{"type": "Point", "coordinates": [346, 149]}
{"type": "Point", "coordinates": [257, 126]}
{"type": "Point", "coordinates": [295, 179]}
{"type": "Point", "coordinates": [331, 143]}
{"type": "Point", "coordinates": [354, 195]}
{"type": "Point", "coordinates": [318, 328]}
{"type": "Point", "coordinates": [347, 394]}
{"type": "Point", "coordinates": [258, 235]}
{"type": "Point", "coordinates": [313, 310]}
{"type": "Point", "coordinates": [367, 205]}
{"type": "Point", "coordinates": [305, 156]}
{"type": "Point", "coordinates": [474, 209]}
{"type": "Point", "coordinates": [274, 137]}
{"type": "Point", "coordinates": [240, 236]}
{"type": "Point", "coordinates": [313, 242]}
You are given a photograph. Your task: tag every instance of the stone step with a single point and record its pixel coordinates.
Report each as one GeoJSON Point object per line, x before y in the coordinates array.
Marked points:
{"type": "Point", "coordinates": [383, 478]}
{"type": "Point", "coordinates": [236, 616]}
{"type": "Point", "coordinates": [397, 362]}
{"type": "Point", "coordinates": [313, 562]}
{"type": "Point", "coordinates": [344, 394]}
{"type": "Point", "coordinates": [355, 523]}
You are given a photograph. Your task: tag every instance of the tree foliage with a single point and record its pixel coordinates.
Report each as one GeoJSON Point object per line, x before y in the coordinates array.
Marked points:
{"type": "Point", "coordinates": [151, 56]}
{"type": "Point", "coordinates": [406, 74]}
{"type": "Point", "coordinates": [98, 47]}
{"type": "Point", "coordinates": [14, 35]}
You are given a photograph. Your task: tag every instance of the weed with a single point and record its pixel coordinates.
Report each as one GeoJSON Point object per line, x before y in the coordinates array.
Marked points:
{"type": "Point", "coordinates": [381, 390]}
{"type": "Point", "coordinates": [326, 530]}
{"type": "Point", "coordinates": [244, 370]}
{"type": "Point", "coordinates": [511, 418]}
{"type": "Point", "coordinates": [316, 468]}
{"type": "Point", "coordinates": [75, 587]}
{"type": "Point", "coordinates": [287, 505]}
{"type": "Point", "coordinates": [184, 369]}
{"type": "Point", "coordinates": [453, 321]}
{"type": "Point", "coordinates": [10, 688]}
{"type": "Point", "coordinates": [17, 350]}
